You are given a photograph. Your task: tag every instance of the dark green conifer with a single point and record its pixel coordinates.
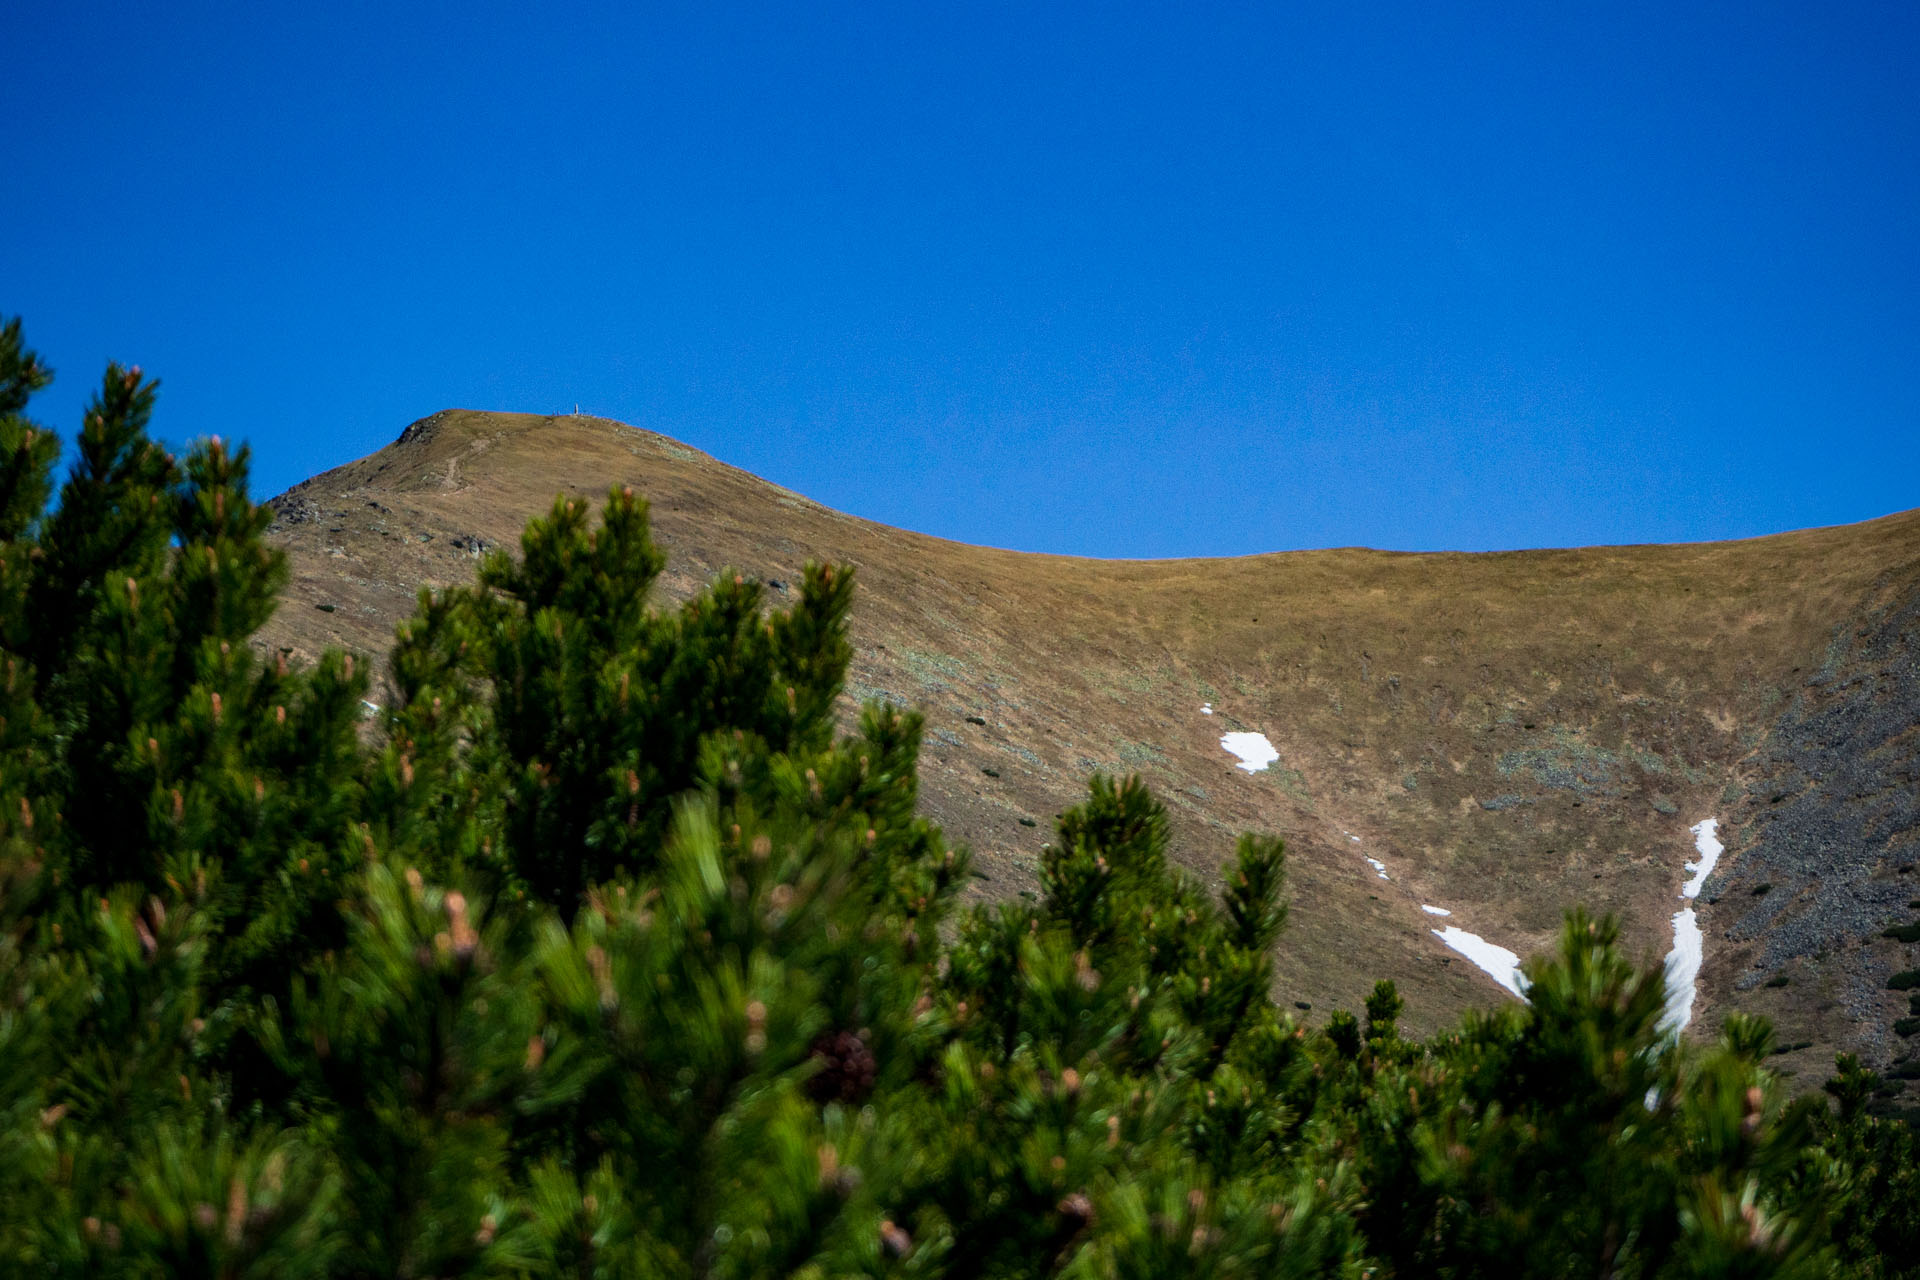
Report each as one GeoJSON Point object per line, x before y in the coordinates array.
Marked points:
{"type": "Point", "coordinates": [609, 942]}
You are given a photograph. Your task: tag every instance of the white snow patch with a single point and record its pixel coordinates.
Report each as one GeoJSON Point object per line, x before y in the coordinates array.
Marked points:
{"type": "Point", "coordinates": [1255, 752]}
{"type": "Point", "coordinates": [1355, 839]}
{"type": "Point", "coordinates": [1707, 844]}
{"type": "Point", "coordinates": [1206, 708]}
{"type": "Point", "coordinates": [1497, 962]}
{"type": "Point", "coordinates": [1435, 911]}
{"type": "Point", "coordinates": [1683, 962]}
{"type": "Point", "coordinates": [1683, 970]}
{"type": "Point", "coordinates": [1379, 866]}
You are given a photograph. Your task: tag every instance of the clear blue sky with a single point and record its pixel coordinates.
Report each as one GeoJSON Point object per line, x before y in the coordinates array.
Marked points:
{"type": "Point", "coordinates": [1106, 279]}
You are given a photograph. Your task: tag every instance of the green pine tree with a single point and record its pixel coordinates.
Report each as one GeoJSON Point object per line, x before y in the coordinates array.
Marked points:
{"type": "Point", "coordinates": [612, 944]}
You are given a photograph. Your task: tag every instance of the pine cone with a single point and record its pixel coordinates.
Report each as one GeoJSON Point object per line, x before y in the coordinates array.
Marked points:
{"type": "Point", "coordinates": [847, 1068]}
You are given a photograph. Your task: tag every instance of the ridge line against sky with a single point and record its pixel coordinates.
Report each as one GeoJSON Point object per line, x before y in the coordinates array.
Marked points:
{"type": "Point", "coordinates": [775, 484]}
{"type": "Point", "coordinates": [1098, 280]}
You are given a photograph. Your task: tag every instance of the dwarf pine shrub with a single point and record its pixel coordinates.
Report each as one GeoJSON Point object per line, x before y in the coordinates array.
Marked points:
{"type": "Point", "coordinates": [616, 950]}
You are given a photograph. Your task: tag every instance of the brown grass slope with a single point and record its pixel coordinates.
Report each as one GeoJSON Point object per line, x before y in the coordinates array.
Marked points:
{"type": "Point", "coordinates": [1510, 734]}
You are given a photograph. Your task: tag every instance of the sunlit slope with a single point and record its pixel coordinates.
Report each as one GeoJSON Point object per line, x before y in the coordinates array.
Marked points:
{"type": "Point", "coordinates": [1505, 734]}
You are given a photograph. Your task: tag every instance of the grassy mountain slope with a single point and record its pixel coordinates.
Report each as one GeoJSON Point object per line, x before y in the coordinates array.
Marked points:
{"type": "Point", "coordinates": [1507, 733]}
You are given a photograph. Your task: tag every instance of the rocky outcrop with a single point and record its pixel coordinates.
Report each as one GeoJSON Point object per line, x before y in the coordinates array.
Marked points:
{"type": "Point", "coordinates": [1830, 839]}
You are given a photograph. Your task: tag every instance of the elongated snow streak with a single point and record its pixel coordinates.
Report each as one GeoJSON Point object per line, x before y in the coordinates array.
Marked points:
{"type": "Point", "coordinates": [1379, 866]}
{"type": "Point", "coordinates": [1683, 962]}
{"type": "Point", "coordinates": [1435, 911]}
{"type": "Point", "coordinates": [1497, 962]}
{"type": "Point", "coordinates": [1255, 752]}
{"type": "Point", "coordinates": [1708, 846]}
{"type": "Point", "coordinates": [1683, 970]}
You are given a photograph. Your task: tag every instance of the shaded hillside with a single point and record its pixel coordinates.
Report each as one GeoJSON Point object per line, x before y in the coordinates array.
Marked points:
{"type": "Point", "coordinates": [1505, 734]}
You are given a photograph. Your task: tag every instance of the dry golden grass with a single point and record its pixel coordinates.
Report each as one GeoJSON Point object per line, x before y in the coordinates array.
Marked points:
{"type": "Point", "coordinates": [1510, 733]}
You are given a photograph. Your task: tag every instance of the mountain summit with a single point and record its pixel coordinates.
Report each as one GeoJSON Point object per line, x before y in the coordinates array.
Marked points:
{"type": "Point", "coordinates": [1714, 741]}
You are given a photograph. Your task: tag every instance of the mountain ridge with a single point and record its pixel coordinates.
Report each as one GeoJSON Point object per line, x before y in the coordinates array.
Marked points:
{"type": "Point", "coordinates": [1507, 733]}
{"type": "Point", "coordinates": [422, 430]}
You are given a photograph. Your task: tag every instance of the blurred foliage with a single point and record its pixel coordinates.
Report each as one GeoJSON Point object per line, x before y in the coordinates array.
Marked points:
{"type": "Point", "coordinates": [599, 953]}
